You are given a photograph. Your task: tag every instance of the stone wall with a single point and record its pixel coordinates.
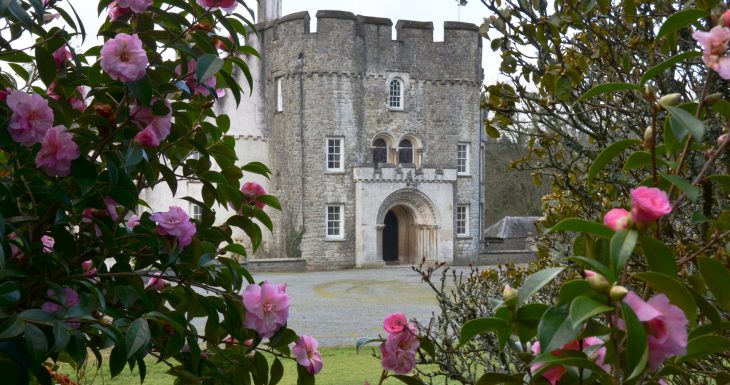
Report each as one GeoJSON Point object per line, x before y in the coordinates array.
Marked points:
{"type": "Point", "coordinates": [335, 84]}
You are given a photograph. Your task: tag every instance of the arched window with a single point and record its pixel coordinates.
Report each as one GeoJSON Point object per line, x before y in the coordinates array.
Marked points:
{"type": "Point", "coordinates": [380, 152]}
{"type": "Point", "coordinates": [405, 151]}
{"type": "Point", "coordinates": [395, 95]}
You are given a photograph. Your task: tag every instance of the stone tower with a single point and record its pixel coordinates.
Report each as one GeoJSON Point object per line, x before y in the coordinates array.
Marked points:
{"type": "Point", "coordinates": [375, 144]}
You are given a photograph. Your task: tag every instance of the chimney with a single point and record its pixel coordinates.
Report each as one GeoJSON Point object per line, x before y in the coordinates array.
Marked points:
{"type": "Point", "coordinates": [268, 10]}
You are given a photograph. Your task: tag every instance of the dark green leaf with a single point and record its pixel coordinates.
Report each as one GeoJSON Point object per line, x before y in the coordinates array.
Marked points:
{"type": "Point", "coordinates": [717, 278]}
{"type": "Point", "coordinates": [596, 266]}
{"type": "Point", "coordinates": [683, 120]}
{"type": "Point", "coordinates": [581, 226]}
{"type": "Point", "coordinates": [277, 372]}
{"type": "Point", "coordinates": [208, 65]}
{"type": "Point", "coordinates": [572, 289]}
{"type": "Point", "coordinates": [622, 245]}
{"type": "Point", "coordinates": [12, 327]}
{"type": "Point", "coordinates": [9, 293]}
{"type": "Point", "coordinates": [138, 336]}
{"type": "Point", "coordinates": [679, 20]}
{"type": "Point", "coordinates": [536, 281]}
{"type": "Point", "coordinates": [46, 65]}
{"type": "Point", "coordinates": [555, 329]}
{"type": "Point", "coordinates": [659, 256]}
{"type": "Point", "coordinates": [607, 155]}
{"type": "Point", "coordinates": [705, 346]}
{"type": "Point", "coordinates": [637, 350]}
{"type": "Point", "coordinates": [84, 174]}
{"type": "Point", "coordinates": [474, 327]}
{"type": "Point", "coordinates": [692, 192]}
{"type": "Point", "coordinates": [663, 66]}
{"type": "Point", "coordinates": [362, 341]}
{"type": "Point", "coordinates": [607, 87]}
{"type": "Point", "coordinates": [641, 159]}
{"type": "Point", "coordinates": [117, 360]}
{"type": "Point", "coordinates": [583, 308]}
{"type": "Point", "coordinates": [678, 294]}
{"type": "Point", "coordinates": [142, 90]}
{"type": "Point", "coordinates": [36, 343]}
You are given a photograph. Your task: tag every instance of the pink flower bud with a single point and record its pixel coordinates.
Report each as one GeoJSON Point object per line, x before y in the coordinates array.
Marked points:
{"type": "Point", "coordinates": [617, 219]}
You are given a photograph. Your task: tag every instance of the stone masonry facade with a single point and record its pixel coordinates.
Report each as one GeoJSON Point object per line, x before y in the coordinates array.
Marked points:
{"type": "Point", "coordinates": [326, 96]}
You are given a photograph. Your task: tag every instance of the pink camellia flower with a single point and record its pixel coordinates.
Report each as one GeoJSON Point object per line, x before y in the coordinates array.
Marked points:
{"type": "Point", "coordinates": [31, 117]}
{"type": "Point", "coordinates": [116, 11]}
{"type": "Point", "coordinates": [395, 322]}
{"type": "Point", "coordinates": [78, 103]}
{"type": "Point", "coordinates": [57, 151]}
{"type": "Point", "coordinates": [267, 308]}
{"type": "Point", "coordinates": [398, 352]}
{"type": "Point", "coordinates": [133, 221]}
{"type": "Point", "coordinates": [226, 5]}
{"type": "Point", "coordinates": [124, 58]}
{"type": "Point", "coordinates": [192, 83]}
{"type": "Point", "coordinates": [175, 222]}
{"type": "Point", "coordinates": [157, 282]}
{"type": "Point", "coordinates": [138, 6]}
{"type": "Point", "coordinates": [48, 243]}
{"type": "Point", "coordinates": [617, 219]}
{"type": "Point", "coordinates": [154, 128]}
{"type": "Point", "coordinates": [253, 190]}
{"type": "Point", "coordinates": [72, 299]}
{"type": "Point", "coordinates": [307, 355]}
{"type": "Point", "coordinates": [15, 253]}
{"type": "Point", "coordinates": [649, 204]}
{"type": "Point", "coordinates": [715, 43]}
{"type": "Point", "coordinates": [554, 374]}
{"type": "Point", "coordinates": [666, 327]}
{"type": "Point", "coordinates": [111, 208]}
{"type": "Point", "coordinates": [61, 56]}
{"type": "Point", "coordinates": [89, 269]}
{"type": "Point", "coordinates": [725, 19]}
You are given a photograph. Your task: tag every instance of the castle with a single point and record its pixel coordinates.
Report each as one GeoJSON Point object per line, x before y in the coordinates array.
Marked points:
{"type": "Point", "coordinates": [375, 143]}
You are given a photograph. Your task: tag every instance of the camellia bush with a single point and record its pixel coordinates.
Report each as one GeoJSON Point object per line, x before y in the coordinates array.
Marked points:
{"type": "Point", "coordinates": [87, 268]}
{"type": "Point", "coordinates": [644, 283]}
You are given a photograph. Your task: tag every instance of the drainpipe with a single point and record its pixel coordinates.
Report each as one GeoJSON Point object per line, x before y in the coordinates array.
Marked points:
{"type": "Point", "coordinates": [300, 70]}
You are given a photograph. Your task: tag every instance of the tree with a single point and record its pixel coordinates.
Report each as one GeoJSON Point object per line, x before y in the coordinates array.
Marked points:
{"type": "Point", "coordinates": [86, 265]}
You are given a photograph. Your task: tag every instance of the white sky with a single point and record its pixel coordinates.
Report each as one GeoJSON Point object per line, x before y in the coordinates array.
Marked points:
{"type": "Point", "coordinates": [436, 11]}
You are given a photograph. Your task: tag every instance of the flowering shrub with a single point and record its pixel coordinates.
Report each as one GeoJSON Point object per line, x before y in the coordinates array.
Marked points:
{"type": "Point", "coordinates": [642, 298]}
{"type": "Point", "coordinates": [87, 267]}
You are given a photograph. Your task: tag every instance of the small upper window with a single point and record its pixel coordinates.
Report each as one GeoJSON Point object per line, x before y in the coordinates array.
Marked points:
{"type": "Point", "coordinates": [462, 159]}
{"type": "Point", "coordinates": [395, 94]}
{"type": "Point", "coordinates": [279, 96]}
{"type": "Point", "coordinates": [380, 152]}
{"type": "Point", "coordinates": [405, 151]}
{"type": "Point", "coordinates": [197, 212]}
{"type": "Point", "coordinates": [334, 154]}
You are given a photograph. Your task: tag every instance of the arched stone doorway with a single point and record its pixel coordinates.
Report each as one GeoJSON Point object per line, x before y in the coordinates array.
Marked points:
{"type": "Point", "coordinates": [407, 228]}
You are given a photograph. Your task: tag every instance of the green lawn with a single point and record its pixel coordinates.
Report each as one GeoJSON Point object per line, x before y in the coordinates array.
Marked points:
{"type": "Point", "coordinates": [342, 366]}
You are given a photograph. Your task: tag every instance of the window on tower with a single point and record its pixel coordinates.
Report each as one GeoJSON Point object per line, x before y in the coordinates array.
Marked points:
{"type": "Point", "coordinates": [405, 151]}
{"type": "Point", "coordinates": [380, 152]}
{"type": "Point", "coordinates": [395, 94]}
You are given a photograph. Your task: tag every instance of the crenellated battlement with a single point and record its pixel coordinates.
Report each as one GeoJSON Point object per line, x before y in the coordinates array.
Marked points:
{"type": "Point", "coordinates": [346, 42]}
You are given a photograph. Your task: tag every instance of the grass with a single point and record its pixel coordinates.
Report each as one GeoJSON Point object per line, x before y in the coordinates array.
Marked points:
{"type": "Point", "coordinates": [342, 366]}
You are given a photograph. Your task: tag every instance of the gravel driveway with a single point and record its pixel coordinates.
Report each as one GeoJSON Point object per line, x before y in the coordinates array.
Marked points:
{"type": "Point", "coordinates": [338, 307]}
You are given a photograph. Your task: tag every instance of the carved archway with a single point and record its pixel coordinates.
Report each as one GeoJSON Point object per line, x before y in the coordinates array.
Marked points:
{"type": "Point", "coordinates": [417, 225]}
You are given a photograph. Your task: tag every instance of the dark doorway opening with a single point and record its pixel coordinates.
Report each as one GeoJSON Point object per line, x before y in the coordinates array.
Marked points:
{"type": "Point", "coordinates": [390, 238]}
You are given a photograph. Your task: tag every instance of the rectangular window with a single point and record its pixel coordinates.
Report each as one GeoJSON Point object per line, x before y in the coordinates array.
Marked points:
{"type": "Point", "coordinates": [335, 222]}
{"type": "Point", "coordinates": [279, 96]}
{"type": "Point", "coordinates": [462, 220]}
{"type": "Point", "coordinates": [334, 154]}
{"type": "Point", "coordinates": [462, 159]}
{"type": "Point", "coordinates": [197, 212]}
